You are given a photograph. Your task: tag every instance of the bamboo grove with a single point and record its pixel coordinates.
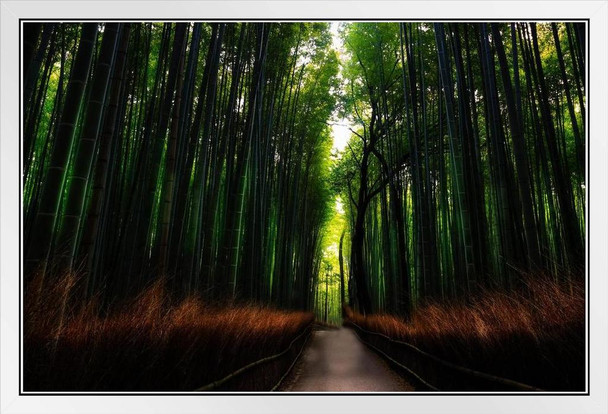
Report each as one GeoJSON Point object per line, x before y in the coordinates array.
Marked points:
{"type": "Point", "coordinates": [202, 153]}
{"type": "Point", "coordinates": [196, 152]}
{"type": "Point", "coordinates": [467, 170]}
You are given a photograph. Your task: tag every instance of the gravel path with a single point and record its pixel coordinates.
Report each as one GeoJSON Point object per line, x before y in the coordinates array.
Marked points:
{"type": "Point", "coordinates": [335, 360]}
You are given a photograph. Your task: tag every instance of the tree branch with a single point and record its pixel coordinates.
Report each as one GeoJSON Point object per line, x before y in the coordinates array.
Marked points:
{"type": "Point", "coordinates": [389, 176]}
{"type": "Point", "coordinates": [354, 155]}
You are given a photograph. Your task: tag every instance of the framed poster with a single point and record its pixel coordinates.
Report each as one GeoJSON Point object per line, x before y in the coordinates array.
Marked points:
{"type": "Point", "coordinates": [294, 206]}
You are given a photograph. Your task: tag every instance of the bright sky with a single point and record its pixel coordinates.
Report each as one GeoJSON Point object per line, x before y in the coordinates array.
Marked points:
{"type": "Point", "coordinates": [339, 205]}
{"type": "Point", "coordinates": [340, 127]}
{"type": "Point", "coordinates": [340, 134]}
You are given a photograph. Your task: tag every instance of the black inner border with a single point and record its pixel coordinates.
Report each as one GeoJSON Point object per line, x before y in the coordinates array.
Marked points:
{"type": "Point", "coordinates": [253, 393]}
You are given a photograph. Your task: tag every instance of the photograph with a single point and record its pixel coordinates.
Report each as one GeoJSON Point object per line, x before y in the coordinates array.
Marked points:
{"type": "Point", "coordinates": [364, 206]}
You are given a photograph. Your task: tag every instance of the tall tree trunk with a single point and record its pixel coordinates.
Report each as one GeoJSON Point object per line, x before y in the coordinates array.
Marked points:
{"type": "Point", "coordinates": [144, 241]}
{"type": "Point", "coordinates": [108, 135]}
{"type": "Point", "coordinates": [473, 179]}
{"type": "Point", "coordinates": [520, 152]}
{"type": "Point", "coordinates": [170, 169]}
{"type": "Point", "coordinates": [577, 74]}
{"type": "Point", "coordinates": [86, 145]}
{"type": "Point", "coordinates": [563, 185]}
{"type": "Point", "coordinates": [357, 240]}
{"type": "Point", "coordinates": [35, 111]}
{"type": "Point", "coordinates": [31, 69]}
{"type": "Point", "coordinates": [31, 33]}
{"type": "Point", "coordinates": [461, 210]}
{"type": "Point", "coordinates": [578, 139]}
{"type": "Point", "coordinates": [341, 262]}
{"type": "Point", "coordinates": [37, 253]}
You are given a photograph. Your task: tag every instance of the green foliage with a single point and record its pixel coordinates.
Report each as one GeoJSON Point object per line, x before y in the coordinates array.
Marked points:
{"type": "Point", "coordinates": [392, 79]}
{"type": "Point", "coordinates": [213, 163]}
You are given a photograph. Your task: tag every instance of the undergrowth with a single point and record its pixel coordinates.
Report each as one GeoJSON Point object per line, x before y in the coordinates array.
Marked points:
{"type": "Point", "coordinates": [148, 343]}
{"type": "Point", "coordinates": [535, 335]}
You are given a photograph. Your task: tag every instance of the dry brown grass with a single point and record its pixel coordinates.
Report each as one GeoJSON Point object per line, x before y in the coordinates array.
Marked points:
{"type": "Point", "coordinates": [149, 343]}
{"type": "Point", "coordinates": [535, 335]}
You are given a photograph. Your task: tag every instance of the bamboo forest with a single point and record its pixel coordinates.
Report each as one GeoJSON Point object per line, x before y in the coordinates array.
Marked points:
{"type": "Point", "coordinates": [206, 205]}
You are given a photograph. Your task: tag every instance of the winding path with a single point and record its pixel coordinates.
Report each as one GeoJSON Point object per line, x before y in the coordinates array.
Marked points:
{"type": "Point", "coordinates": [335, 360]}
